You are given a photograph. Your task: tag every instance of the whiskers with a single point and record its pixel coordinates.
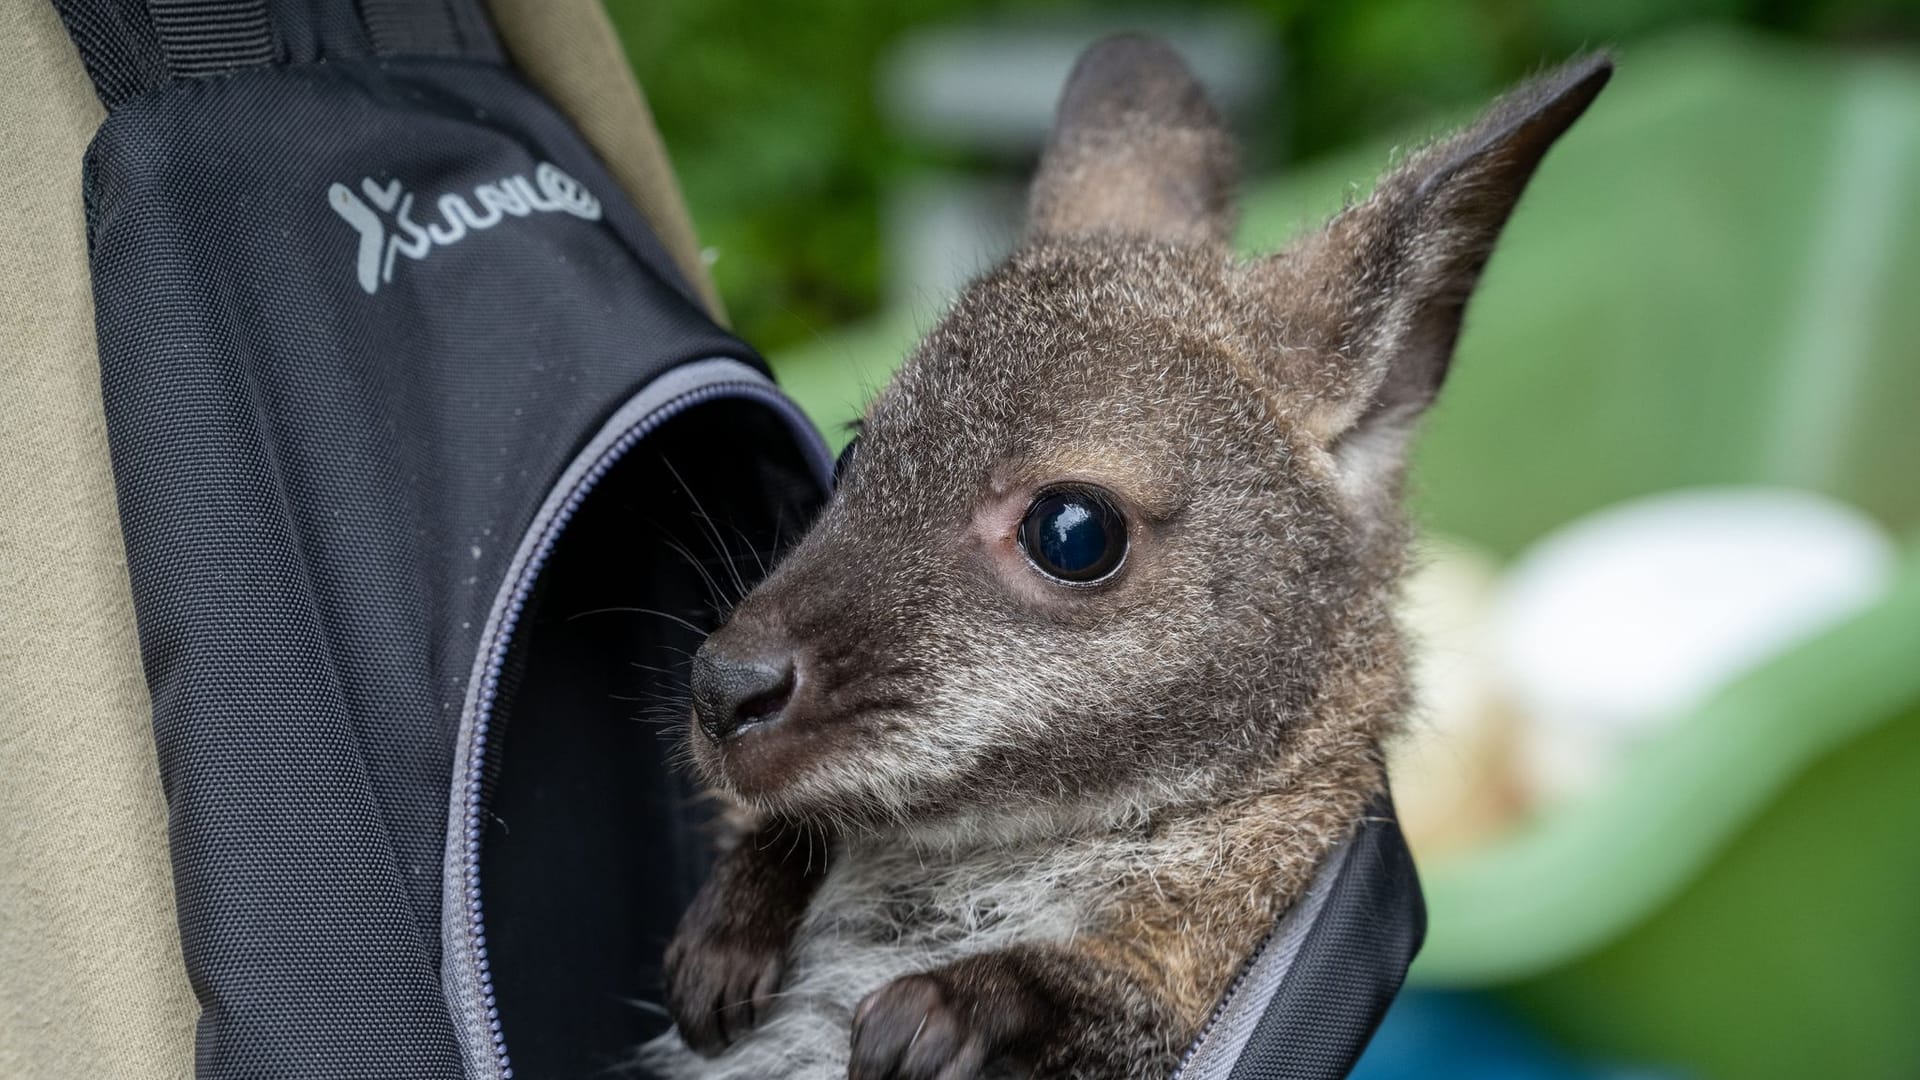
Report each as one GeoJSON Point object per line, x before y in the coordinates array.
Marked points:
{"type": "Point", "coordinates": [624, 610]}
{"type": "Point", "coordinates": [714, 535]}
{"type": "Point", "coordinates": [722, 561]}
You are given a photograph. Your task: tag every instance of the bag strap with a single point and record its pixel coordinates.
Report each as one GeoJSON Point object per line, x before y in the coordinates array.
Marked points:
{"type": "Point", "coordinates": [209, 37]}
{"type": "Point", "coordinates": [427, 28]}
{"type": "Point", "coordinates": [132, 46]}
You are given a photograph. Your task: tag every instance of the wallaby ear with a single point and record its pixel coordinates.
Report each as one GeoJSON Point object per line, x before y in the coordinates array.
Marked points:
{"type": "Point", "coordinates": [1136, 150]}
{"type": "Point", "coordinates": [1392, 275]}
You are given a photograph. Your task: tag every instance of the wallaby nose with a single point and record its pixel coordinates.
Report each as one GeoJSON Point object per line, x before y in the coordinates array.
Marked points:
{"type": "Point", "coordinates": [731, 692]}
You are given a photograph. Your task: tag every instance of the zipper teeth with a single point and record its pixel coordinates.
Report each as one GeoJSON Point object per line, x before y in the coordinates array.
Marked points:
{"type": "Point", "coordinates": [496, 662]}
{"type": "Point", "coordinates": [1333, 863]}
{"type": "Point", "coordinates": [1220, 1007]}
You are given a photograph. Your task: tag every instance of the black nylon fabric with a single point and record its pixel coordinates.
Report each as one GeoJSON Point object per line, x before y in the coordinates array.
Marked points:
{"type": "Point", "coordinates": [315, 31]}
{"type": "Point", "coordinates": [322, 475]}
{"type": "Point", "coordinates": [432, 28]}
{"type": "Point", "coordinates": [1349, 968]}
{"type": "Point", "coordinates": [117, 46]}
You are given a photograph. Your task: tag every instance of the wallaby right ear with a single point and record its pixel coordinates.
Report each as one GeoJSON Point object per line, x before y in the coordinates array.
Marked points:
{"type": "Point", "coordinates": [1387, 281]}
{"type": "Point", "coordinates": [1136, 150]}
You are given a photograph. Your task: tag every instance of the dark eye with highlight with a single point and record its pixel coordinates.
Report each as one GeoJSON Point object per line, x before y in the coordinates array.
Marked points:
{"type": "Point", "coordinates": [1074, 535]}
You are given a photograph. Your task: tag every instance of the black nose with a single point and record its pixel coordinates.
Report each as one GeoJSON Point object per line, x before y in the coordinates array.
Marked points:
{"type": "Point", "coordinates": [731, 692]}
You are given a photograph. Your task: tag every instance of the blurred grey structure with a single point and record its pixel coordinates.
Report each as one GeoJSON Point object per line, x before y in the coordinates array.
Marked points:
{"type": "Point", "coordinates": [985, 93]}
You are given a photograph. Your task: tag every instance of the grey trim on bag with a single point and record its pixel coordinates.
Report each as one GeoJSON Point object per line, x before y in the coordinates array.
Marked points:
{"type": "Point", "coordinates": [1221, 1042]}
{"type": "Point", "coordinates": [464, 975]}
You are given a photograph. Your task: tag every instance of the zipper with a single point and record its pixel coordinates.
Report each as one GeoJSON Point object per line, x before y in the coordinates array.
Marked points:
{"type": "Point", "coordinates": [1220, 1007]}
{"type": "Point", "coordinates": [468, 978]}
{"type": "Point", "coordinates": [1287, 936]}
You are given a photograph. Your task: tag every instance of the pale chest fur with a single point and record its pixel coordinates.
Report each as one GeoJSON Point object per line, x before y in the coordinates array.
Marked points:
{"type": "Point", "coordinates": [885, 911]}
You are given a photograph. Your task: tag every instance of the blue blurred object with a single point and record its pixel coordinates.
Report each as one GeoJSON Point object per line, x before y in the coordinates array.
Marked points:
{"type": "Point", "coordinates": [1431, 1033]}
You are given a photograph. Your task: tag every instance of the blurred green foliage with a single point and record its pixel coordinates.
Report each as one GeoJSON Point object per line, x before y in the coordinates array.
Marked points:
{"type": "Point", "coordinates": [769, 108]}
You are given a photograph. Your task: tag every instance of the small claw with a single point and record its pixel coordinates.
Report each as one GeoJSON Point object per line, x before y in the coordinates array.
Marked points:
{"type": "Point", "coordinates": [765, 989]}
{"type": "Point", "coordinates": [717, 995]}
{"type": "Point", "coordinates": [941, 1045]}
{"type": "Point", "coordinates": [909, 1030]}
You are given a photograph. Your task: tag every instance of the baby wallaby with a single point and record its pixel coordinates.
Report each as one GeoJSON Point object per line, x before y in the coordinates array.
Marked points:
{"type": "Point", "coordinates": [1087, 663]}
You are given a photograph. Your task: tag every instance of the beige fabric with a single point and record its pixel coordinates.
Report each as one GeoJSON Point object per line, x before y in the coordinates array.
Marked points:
{"type": "Point", "coordinates": [569, 50]}
{"type": "Point", "coordinates": [91, 979]}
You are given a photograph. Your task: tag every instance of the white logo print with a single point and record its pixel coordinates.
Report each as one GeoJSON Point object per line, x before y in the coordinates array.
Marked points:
{"type": "Point", "coordinates": [387, 227]}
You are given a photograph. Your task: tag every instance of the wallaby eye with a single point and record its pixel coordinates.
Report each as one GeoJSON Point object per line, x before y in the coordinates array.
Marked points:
{"type": "Point", "coordinates": [1074, 535]}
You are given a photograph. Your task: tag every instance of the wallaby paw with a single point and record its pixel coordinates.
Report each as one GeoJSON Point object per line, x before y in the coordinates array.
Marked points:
{"type": "Point", "coordinates": [922, 1027]}
{"type": "Point", "coordinates": [721, 985]}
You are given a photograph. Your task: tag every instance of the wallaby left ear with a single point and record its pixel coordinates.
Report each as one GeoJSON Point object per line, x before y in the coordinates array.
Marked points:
{"type": "Point", "coordinates": [1136, 150]}
{"type": "Point", "coordinates": [1393, 273]}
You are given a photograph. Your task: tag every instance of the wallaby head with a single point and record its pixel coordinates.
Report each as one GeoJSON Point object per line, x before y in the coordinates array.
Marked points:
{"type": "Point", "coordinates": [1125, 527]}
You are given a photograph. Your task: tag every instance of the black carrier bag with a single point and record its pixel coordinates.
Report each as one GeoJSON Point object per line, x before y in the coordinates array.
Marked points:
{"type": "Point", "coordinates": [431, 469]}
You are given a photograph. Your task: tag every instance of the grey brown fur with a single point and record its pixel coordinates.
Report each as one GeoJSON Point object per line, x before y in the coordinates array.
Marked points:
{"type": "Point", "coordinates": [1002, 825]}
